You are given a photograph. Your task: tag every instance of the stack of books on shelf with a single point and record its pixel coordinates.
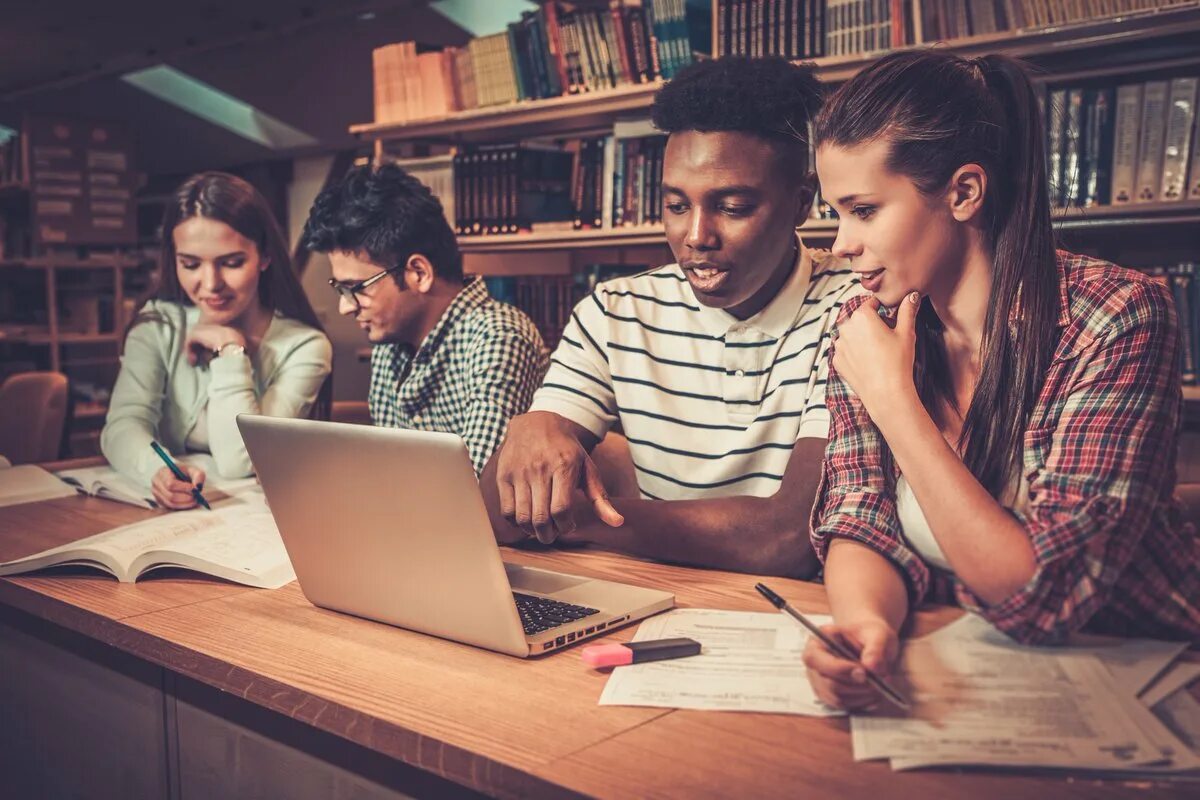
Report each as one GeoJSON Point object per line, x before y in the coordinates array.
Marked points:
{"type": "Point", "coordinates": [938, 20]}
{"type": "Point", "coordinates": [1128, 143]}
{"type": "Point", "coordinates": [508, 188]}
{"type": "Point", "coordinates": [550, 299]}
{"type": "Point", "coordinates": [812, 28]}
{"type": "Point", "coordinates": [556, 50]}
{"type": "Point", "coordinates": [1184, 282]}
{"type": "Point", "coordinates": [604, 181]}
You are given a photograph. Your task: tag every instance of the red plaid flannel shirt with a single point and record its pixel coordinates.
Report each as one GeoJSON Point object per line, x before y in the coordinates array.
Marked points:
{"type": "Point", "coordinates": [1112, 549]}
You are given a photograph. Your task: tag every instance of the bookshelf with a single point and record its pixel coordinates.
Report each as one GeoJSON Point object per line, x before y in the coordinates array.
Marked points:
{"type": "Point", "coordinates": [572, 113]}
{"type": "Point", "coordinates": [820, 230]}
{"type": "Point", "coordinates": [68, 270]}
{"type": "Point", "coordinates": [1134, 47]}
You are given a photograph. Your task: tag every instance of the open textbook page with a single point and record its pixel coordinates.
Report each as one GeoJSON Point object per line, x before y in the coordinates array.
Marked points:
{"type": "Point", "coordinates": [104, 481]}
{"type": "Point", "coordinates": [29, 484]}
{"type": "Point", "coordinates": [237, 541]}
{"type": "Point", "coordinates": [981, 699]}
{"type": "Point", "coordinates": [750, 661]}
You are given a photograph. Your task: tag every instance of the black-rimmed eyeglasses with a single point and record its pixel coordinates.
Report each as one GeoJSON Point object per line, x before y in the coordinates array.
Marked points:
{"type": "Point", "coordinates": [351, 291]}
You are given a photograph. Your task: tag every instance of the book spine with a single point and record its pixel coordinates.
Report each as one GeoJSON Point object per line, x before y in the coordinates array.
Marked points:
{"type": "Point", "coordinates": [606, 205]}
{"type": "Point", "coordinates": [1150, 148]}
{"type": "Point", "coordinates": [1181, 116]}
{"type": "Point", "coordinates": [460, 194]}
{"type": "Point", "coordinates": [1182, 278]}
{"type": "Point", "coordinates": [1125, 143]}
{"type": "Point", "coordinates": [620, 36]}
{"type": "Point", "coordinates": [520, 69]}
{"type": "Point", "coordinates": [1073, 157]}
{"type": "Point", "coordinates": [598, 182]}
{"type": "Point", "coordinates": [1098, 147]}
{"type": "Point", "coordinates": [1193, 183]}
{"type": "Point", "coordinates": [554, 45]}
{"type": "Point", "coordinates": [1056, 144]}
{"type": "Point", "coordinates": [618, 183]}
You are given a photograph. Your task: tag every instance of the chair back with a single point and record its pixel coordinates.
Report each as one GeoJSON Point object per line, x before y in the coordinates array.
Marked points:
{"type": "Point", "coordinates": [33, 410]}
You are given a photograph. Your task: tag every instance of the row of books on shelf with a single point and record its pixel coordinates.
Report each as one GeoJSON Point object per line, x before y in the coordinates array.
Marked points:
{"type": "Point", "coordinates": [1132, 143]}
{"type": "Point", "coordinates": [813, 28]}
{"type": "Point", "coordinates": [594, 182]}
{"type": "Point", "coordinates": [550, 299]}
{"type": "Point", "coordinates": [1184, 281]}
{"type": "Point", "coordinates": [555, 50]}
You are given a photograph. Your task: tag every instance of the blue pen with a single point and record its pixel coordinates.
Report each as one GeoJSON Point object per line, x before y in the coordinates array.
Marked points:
{"type": "Point", "coordinates": [178, 473]}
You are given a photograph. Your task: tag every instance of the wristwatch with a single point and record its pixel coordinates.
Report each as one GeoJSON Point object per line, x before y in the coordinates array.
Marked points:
{"type": "Point", "coordinates": [230, 349]}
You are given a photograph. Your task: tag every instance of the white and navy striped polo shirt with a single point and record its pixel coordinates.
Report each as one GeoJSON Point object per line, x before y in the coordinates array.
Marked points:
{"type": "Point", "coordinates": [712, 405]}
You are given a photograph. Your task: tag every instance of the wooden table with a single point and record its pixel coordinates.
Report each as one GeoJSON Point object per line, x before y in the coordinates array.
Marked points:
{"type": "Point", "coordinates": [248, 679]}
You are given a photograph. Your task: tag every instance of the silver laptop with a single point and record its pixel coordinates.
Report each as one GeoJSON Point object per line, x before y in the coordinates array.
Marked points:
{"type": "Point", "coordinates": [390, 525]}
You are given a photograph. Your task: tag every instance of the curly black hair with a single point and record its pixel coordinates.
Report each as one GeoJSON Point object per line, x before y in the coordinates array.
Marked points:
{"type": "Point", "coordinates": [387, 214]}
{"type": "Point", "coordinates": [767, 97]}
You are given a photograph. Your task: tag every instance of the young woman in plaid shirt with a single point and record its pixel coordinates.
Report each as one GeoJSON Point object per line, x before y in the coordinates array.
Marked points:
{"type": "Point", "coordinates": [1007, 440]}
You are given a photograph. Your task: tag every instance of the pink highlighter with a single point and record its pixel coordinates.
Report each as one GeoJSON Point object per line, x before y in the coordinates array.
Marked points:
{"type": "Point", "coordinates": [598, 656]}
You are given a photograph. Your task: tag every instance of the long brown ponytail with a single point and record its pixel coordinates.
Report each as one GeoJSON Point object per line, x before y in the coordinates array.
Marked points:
{"type": "Point", "coordinates": [939, 111]}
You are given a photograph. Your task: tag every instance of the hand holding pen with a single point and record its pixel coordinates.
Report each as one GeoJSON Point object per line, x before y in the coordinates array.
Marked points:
{"type": "Point", "coordinates": [175, 489]}
{"type": "Point", "coordinates": [847, 663]}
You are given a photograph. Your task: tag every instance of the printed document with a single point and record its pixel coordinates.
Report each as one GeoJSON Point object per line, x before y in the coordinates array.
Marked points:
{"type": "Point", "coordinates": [749, 662]}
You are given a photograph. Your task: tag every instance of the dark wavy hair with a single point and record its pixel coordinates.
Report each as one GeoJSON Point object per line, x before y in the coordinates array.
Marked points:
{"type": "Point", "coordinates": [939, 111]}
{"type": "Point", "coordinates": [229, 199]}
{"type": "Point", "coordinates": [770, 98]}
{"type": "Point", "coordinates": [388, 215]}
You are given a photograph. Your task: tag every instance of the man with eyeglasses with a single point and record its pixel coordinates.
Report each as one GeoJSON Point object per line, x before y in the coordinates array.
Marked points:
{"type": "Point", "coordinates": [446, 356]}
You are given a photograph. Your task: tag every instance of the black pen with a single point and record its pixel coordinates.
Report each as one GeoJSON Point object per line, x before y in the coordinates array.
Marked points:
{"type": "Point", "coordinates": [178, 473]}
{"type": "Point", "coordinates": [837, 647]}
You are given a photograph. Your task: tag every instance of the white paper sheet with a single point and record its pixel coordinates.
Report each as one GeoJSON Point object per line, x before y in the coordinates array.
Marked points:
{"type": "Point", "coordinates": [981, 699]}
{"type": "Point", "coordinates": [749, 662]}
{"type": "Point", "coordinates": [30, 484]}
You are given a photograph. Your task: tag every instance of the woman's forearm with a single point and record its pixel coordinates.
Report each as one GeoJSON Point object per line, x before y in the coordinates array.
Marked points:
{"type": "Point", "coordinates": [861, 584]}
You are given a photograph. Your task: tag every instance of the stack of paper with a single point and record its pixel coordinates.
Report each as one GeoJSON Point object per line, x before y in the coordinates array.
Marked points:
{"type": "Point", "coordinates": [749, 662]}
{"type": "Point", "coordinates": [981, 699]}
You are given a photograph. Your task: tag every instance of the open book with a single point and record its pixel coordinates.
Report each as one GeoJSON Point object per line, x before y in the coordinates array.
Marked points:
{"type": "Point", "coordinates": [237, 541]}
{"type": "Point", "coordinates": [29, 484]}
{"type": "Point", "coordinates": [106, 482]}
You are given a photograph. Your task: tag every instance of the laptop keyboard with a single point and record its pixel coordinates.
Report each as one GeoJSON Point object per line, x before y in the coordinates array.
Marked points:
{"type": "Point", "coordinates": [541, 613]}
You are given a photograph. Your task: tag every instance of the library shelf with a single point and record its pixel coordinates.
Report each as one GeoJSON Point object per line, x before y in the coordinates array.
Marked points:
{"type": "Point", "coordinates": [571, 113]}
{"type": "Point", "coordinates": [626, 236]}
{"type": "Point", "coordinates": [1180, 212]}
{"type": "Point", "coordinates": [567, 113]}
{"type": "Point", "coordinates": [823, 230]}
{"type": "Point", "coordinates": [1040, 42]}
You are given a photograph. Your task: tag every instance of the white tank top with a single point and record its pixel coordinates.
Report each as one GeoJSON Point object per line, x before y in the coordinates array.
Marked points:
{"type": "Point", "coordinates": [915, 528]}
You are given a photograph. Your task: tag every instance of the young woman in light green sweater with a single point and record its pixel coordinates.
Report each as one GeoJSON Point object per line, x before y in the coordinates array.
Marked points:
{"type": "Point", "coordinates": [228, 331]}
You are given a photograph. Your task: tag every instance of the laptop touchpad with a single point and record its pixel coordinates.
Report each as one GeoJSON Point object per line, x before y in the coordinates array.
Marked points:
{"type": "Point", "coordinates": [530, 579]}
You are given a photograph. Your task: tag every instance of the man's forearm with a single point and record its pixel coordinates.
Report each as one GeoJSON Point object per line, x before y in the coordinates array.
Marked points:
{"type": "Point", "coordinates": [743, 534]}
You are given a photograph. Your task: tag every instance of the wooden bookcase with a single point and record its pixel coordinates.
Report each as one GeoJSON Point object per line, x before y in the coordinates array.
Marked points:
{"type": "Point", "coordinates": [1118, 48]}
{"type": "Point", "coordinates": [1145, 42]}
{"type": "Point", "coordinates": [72, 307]}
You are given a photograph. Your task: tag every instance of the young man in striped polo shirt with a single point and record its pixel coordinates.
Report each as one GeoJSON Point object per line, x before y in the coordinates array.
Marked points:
{"type": "Point", "coordinates": [713, 367]}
